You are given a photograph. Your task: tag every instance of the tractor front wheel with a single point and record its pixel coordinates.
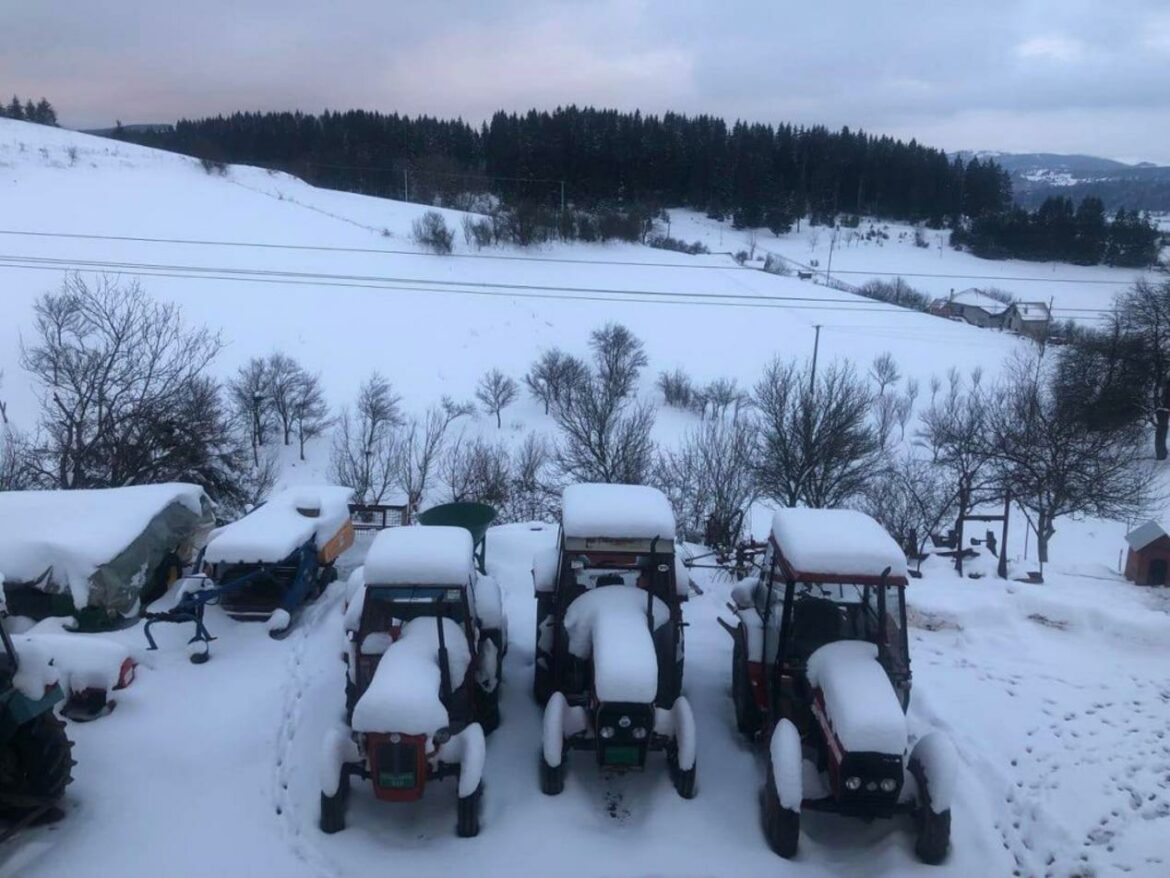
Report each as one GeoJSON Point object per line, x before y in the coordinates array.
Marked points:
{"type": "Point", "coordinates": [333, 807]}
{"type": "Point", "coordinates": [467, 818]}
{"type": "Point", "coordinates": [36, 764]}
{"type": "Point", "coordinates": [684, 781]}
{"type": "Point", "coordinates": [781, 825]}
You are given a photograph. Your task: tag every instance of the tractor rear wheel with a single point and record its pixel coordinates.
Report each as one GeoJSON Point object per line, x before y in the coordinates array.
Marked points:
{"type": "Point", "coordinates": [333, 807]}
{"type": "Point", "coordinates": [467, 814]}
{"type": "Point", "coordinates": [747, 715]}
{"type": "Point", "coordinates": [552, 780]}
{"type": "Point", "coordinates": [36, 764]}
{"type": "Point", "coordinates": [781, 825]}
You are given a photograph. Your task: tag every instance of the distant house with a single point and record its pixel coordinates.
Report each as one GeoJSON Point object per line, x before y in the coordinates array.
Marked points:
{"type": "Point", "coordinates": [1028, 318]}
{"type": "Point", "coordinates": [973, 306]}
{"type": "Point", "coordinates": [1148, 560]}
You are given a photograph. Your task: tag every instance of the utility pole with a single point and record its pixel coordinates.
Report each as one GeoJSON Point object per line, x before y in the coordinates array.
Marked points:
{"type": "Point", "coordinates": [812, 381]}
{"type": "Point", "coordinates": [829, 267]}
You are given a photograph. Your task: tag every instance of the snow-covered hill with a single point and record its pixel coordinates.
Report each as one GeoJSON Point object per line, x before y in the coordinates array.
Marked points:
{"type": "Point", "coordinates": [1056, 695]}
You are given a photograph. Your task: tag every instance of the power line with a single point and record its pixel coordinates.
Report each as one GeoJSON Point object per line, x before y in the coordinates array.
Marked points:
{"type": "Point", "coordinates": [1038, 280]}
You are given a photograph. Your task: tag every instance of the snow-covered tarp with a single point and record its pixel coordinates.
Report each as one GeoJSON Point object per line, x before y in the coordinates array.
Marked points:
{"type": "Point", "coordinates": [435, 555]}
{"type": "Point", "coordinates": [290, 518]}
{"type": "Point", "coordinates": [859, 700]}
{"type": "Point", "coordinates": [621, 512]}
{"type": "Point", "coordinates": [403, 695]}
{"type": "Point", "coordinates": [98, 546]}
{"type": "Point", "coordinates": [610, 625]}
{"type": "Point", "coordinates": [833, 545]}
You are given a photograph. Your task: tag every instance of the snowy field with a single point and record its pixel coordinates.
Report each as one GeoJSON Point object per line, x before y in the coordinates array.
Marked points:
{"type": "Point", "coordinates": [1057, 696]}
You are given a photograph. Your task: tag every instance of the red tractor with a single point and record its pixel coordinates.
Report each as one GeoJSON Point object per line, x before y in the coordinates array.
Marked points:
{"type": "Point", "coordinates": [821, 671]}
{"type": "Point", "coordinates": [426, 639]}
{"type": "Point", "coordinates": [609, 638]}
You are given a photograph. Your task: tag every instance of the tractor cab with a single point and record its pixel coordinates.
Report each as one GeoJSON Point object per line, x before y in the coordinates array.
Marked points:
{"type": "Point", "coordinates": [821, 668]}
{"type": "Point", "coordinates": [609, 638]}
{"type": "Point", "coordinates": [425, 643]}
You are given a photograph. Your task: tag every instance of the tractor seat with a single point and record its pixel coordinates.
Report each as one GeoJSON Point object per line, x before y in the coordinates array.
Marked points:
{"type": "Point", "coordinates": [815, 622]}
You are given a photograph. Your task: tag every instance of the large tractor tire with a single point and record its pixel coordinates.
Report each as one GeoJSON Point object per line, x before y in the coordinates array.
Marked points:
{"type": "Point", "coordinates": [785, 765]}
{"type": "Point", "coordinates": [36, 764]}
{"type": "Point", "coordinates": [684, 781]}
{"type": "Point", "coordinates": [333, 807]}
{"type": "Point", "coordinates": [552, 779]}
{"type": "Point", "coordinates": [489, 709]}
{"type": "Point", "coordinates": [747, 714]}
{"type": "Point", "coordinates": [933, 764]}
{"type": "Point", "coordinates": [467, 814]}
{"type": "Point", "coordinates": [781, 825]}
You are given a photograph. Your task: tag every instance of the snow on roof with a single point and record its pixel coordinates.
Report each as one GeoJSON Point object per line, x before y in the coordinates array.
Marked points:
{"type": "Point", "coordinates": [609, 623]}
{"type": "Point", "coordinates": [403, 695]}
{"type": "Point", "coordinates": [423, 555]}
{"type": "Point", "coordinates": [1032, 311]}
{"type": "Point", "coordinates": [859, 700]}
{"type": "Point", "coordinates": [1144, 534]}
{"type": "Point", "coordinates": [75, 532]}
{"type": "Point", "coordinates": [834, 545]}
{"type": "Point", "coordinates": [977, 298]}
{"type": "Point", "coordinates": [273, 531]}
{"type": "Point", "coordinates": [625, 512]}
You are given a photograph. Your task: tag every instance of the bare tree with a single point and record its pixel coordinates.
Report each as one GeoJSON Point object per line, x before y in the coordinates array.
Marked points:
{"type": "Point", "coordinates": [12, 470]}
{"type": "Point", "coordinates": [677, 388]}
{"type": "Point", "coordinates": [553, 377]}
{"type": "Point", "coordinates": [619, 357]}
{"type": "Point", "coordinates": [532, 495]}
{"type": "Point", "coordinates": [310, 413]}
{"type": "Point", "coordinates": [477, 471]}
{"type": "Point", "coordinates": [910, 498]}
{"type": "Point", "coordinates": [118, 376]}
{"type": "Point", "coordinates": [723, 395]}
{"type": "Point", "coordinates": [420, 449]}
{"type": "Point", "coordinates": [249, 397]}
{"type": "Point", "coordinates": [431, 231]}
{"type": "Point", "coordinates": [604, 437]}
{"type": "Point", "coordinates": [284, 377]}
{"type": "Point", "coordinates": [496, 391]}
{"type": "Point", "coordinates": [1057, 459]}
{"type": "Point", "coordinates": [884, 372]}
{"type": "Point", "coordinates": [366, 443]}
{"type": "Point", "coordinates": [710, 481]}
{"type": "Point", "coordinates": [3, 404]}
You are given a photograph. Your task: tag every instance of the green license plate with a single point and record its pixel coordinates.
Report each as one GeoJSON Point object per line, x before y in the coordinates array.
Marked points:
{"type": "Point", "coordinates": [621, 755]}
{"type": "Point", "coordinates": [397, 780]}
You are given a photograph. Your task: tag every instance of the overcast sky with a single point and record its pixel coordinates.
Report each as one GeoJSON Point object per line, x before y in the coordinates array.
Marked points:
{"type": "Point", "coordinates": [1089, 76]}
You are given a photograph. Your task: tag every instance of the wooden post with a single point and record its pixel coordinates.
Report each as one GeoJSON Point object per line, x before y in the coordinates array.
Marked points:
{"type": "Point", "coordinates": [1001, 570]}
{"type": "Point", "coordinates": [959, 531]}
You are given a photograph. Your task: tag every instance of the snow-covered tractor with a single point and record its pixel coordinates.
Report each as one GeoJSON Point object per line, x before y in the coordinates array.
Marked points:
{"type": "Point", "coordinates": [821, 671]}
{"type": "Point", "coordinates": [609, 636]}
{"type": "Point", "coordinates": [36, 761]}
{"type": "Point", "coordinates": [426, 638]}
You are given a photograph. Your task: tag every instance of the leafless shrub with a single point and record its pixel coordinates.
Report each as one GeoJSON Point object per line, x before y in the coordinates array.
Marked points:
{"type": "Point", "coordinates": [554, 376]}
{"type": "Point", "coordinates": [431, 231]}
{"type": "Point", "coordinates": [477, 232]}
{"type": "Point", "coordinates": [366, 446]}
{"type": "Point", "coordinates": [677, 388]}
{"type": "Point", "coordinates": [495, 392]}
{"type": "Point", "coordinates": [532, 494]}
{"type": "Point", "coordinates": [477, 471]}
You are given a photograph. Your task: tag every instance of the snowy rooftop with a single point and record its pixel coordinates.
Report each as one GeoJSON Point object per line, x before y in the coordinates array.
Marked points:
{"type": "Point", "coordinates": [1032, 311]}
{"type": "Point", "coordinates": [421, 556]}
{"type": "Point", "coordinates": [271, 532]}
{"type": "Point", "coordinates": [1144, 534]}
{"type": "Point", "coordinates": [75, 532]}
{"type": "Point", "coordinates": [620, 512]}
{"type": "Point", "coordinates": [836, 545]}
{"type": "Point", "coordinates": [979, 299]}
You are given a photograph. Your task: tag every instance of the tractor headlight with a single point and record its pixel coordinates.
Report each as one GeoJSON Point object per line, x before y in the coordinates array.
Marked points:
{"type": "Point", "coordinates": [853, 784]}
{"type": "Point", "coordinates": [639, 734]}
{"type": "Point", "coordinates": [624, 722]}
{"type": "Point", "coordinates": [606, 732]}
{"type": "Point", "coordinates": [889, 784]}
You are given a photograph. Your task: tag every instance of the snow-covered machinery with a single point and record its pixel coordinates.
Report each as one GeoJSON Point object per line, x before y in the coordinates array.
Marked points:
{"type": "Point", "coordinates": [35, 755]}
{"type": "Point", "coordinates": [609, 636]}
{"type": "Point", "coordinates": [265, 566]}
{"type": "Point", "coordinates": [426, 637]}
{"type": "Point", "coordinates": [821, 671]}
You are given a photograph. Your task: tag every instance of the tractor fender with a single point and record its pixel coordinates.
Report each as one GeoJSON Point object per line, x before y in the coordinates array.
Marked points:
{"type": "Point", "coordinates": [934, 763]}
{"type": "Point", "coordinates": [787, 760]}
{"type": "Point", "coordinates": [469, 750]}
{"type": "Point", "coordinates": [679, 723]}
{"type": "Point", "coordinates": [560, 721]}
{"type": "Point", "coordinates": [337, 749]}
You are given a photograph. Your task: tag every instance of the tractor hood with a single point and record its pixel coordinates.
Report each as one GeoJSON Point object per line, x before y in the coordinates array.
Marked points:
{"type": "Point", "coordinates": [403, 695]}
{"type": "Point", "coordinates": [609, 625]}
{"type": "Point", "coordinates": [860, 703]}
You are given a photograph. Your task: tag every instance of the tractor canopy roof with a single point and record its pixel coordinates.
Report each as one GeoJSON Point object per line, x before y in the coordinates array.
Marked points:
{"type": "Point", "coordinates": [285, 522]}
{"type": "Point", "coordinates": [435, 555]}
{"type": "Point", "coordinates": [835, 546]}
{"type": "Point", "coordinates": [617, 513]}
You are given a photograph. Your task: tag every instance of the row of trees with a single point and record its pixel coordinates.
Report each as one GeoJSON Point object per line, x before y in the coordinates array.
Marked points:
{"type": "Point", "coordinates": [41, 112]}
{"type": "Point", "coordinates": [757, 174]}
{"type": "Point", "coordinates": [1060, 231]}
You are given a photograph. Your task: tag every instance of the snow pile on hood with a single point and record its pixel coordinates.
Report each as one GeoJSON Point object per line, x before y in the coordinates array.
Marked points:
{"type": "Point", "coordinates": [424, 555]}
{"type": "Point", "coordinates": [73, 533]}
{"type": "Point", "coordinates": [860, 702]}
{"type": "Point", "coordinates": [403, 696]}
{"type": "Point", "coordinates": [835, 544]}
{"type": "Point", "coordinates": [271, 532]}
{"type": "Point", "coordinates": [609, 624]}
{"type": "Point", "coordinates": [82, 661]}
{"type": "Point", "coordinates": [620, 512]}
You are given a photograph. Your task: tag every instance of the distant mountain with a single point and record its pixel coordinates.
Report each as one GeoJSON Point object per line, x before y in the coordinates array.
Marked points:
{"type": "Point", "coordinates": [1038, 175]}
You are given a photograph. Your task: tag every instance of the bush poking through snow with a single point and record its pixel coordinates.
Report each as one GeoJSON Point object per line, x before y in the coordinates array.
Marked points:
{"type": "Point", "coordinates": [495, 392]}
{"type": "Point", "coordinates": [431, 231]}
